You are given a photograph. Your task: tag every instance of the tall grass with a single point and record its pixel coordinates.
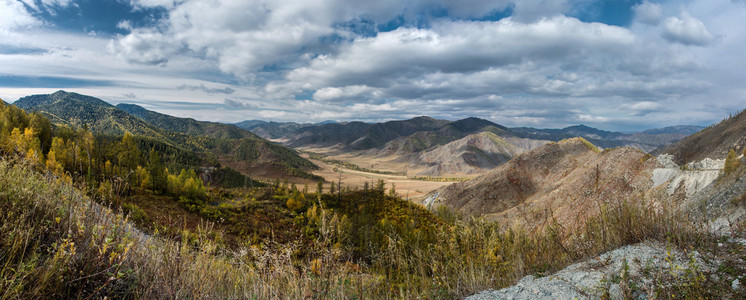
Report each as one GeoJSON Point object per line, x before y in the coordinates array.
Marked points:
{"type": "Point", "coordinates": [57, 243]}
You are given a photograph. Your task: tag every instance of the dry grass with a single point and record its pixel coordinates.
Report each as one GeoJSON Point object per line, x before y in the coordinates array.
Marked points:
{"type": "Point", "coordinates": [57, 243]}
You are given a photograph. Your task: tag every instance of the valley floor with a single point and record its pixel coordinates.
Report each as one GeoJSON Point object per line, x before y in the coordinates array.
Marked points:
{"type": "Point", "coordinates": [381, 168]}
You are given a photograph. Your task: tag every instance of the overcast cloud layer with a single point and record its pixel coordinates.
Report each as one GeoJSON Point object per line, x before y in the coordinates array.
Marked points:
{"type": "Point", "coordinates": [617, 65]}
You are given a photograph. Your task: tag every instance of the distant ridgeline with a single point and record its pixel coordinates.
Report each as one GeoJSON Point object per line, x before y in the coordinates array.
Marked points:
{"type": "Point", "coordinates": [425, 133]}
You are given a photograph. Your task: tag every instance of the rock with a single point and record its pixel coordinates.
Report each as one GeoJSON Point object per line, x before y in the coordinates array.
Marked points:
{"type": "Point", "coordinates": [736, 285]}
{"type": "Point", "coordinates": [531, 287]}
{"type": "Point", "coordinates": [583, 280]}
{"type": "Point", "coordinates": [615, 293]}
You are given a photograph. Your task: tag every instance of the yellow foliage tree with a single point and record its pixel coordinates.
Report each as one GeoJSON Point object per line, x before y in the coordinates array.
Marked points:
{"type": "Point", "coordinates": [52, 164]}
{"type": "Point", "coordinates": [731, 162]}
{"type": "Point", "coordinates": [293, 204]}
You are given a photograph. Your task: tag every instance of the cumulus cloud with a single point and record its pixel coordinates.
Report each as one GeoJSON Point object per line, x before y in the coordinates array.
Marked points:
{"type": "Point", "coordinates": [346, 93]}
{"type": "Point", "coordinates": [532, 10]}
{"type": "Point", "coordinates": [648, 13]}
{"type": "Point", "coordinates": [146, 47]}
{"type": "Point", "coordinates": [686, 30]}
{"type": "Point", "coordinates": [13, 15]}
{"type": "Point", "coordinates": [246, 37]}
{"type": "Point", "coordinates": [459, 59]}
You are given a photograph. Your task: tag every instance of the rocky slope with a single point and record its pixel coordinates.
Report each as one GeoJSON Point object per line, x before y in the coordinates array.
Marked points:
{"type": "Point", "coordinates": [632, 272]}
{"type": "Point", "coordinates": [712, 142]}
{"type": "Point", "coordinates": [689, 180]}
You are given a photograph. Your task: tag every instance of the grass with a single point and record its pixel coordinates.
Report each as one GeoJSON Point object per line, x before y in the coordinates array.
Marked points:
{"type": "Point", "coordinates": [58, 243]}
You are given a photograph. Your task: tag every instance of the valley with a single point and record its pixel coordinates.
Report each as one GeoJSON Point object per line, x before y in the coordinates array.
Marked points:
{"type": "Point", "coordinates": [406, 186]}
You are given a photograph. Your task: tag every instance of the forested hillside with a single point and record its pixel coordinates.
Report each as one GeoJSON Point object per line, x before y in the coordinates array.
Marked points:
{"type": "Point", "coordinates": [212, 143]}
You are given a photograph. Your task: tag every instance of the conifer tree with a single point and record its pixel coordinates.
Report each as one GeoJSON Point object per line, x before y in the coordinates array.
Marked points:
{"type": "Point", "coordinates": [157, 172]}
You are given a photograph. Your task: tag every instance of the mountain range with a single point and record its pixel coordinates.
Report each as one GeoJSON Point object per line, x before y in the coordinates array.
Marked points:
{"type": "Point", "coordinates": [435, 147]}
{"type": "Point", "coordinates": [429, 132]}
{"type": "Point", "coordinates": [427, 146]}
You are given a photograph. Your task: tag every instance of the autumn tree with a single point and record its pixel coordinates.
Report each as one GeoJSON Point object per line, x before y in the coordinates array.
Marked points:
{"type": "Point", "coordinates": [128, 154]}
{"type": "Point", "coordinates": [731, 162]}
{"type": "Point", "coordinates": [157, 172]}
{"type": "Point", "coordinates": [43, 130]}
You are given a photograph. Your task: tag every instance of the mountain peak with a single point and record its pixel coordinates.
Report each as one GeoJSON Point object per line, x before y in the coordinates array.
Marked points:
{"type": "Point", "coordinates": [59, 97]}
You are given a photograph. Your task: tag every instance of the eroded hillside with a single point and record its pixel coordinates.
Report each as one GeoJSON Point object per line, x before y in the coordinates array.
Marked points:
{"type": "Point", "coordinates": [566, 181]}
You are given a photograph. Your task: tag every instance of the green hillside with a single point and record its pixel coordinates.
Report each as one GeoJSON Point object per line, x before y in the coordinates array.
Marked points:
{"type": "Point", "coordinates": [186, 125]}
{"type": "Point", "coordinates": [213, 142]}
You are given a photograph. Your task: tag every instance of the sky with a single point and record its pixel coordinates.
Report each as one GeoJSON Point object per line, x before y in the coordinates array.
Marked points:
{"type": "Point", "coordinates": [620, 65]}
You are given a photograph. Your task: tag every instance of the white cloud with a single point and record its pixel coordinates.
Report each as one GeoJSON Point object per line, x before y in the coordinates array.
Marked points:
{"type": "Point", "coordinates": [686, 30]}
{"type": "Point", "coordinates": [246, 36]}
{"type": "Point", "coordinates": [642, 108]}
{"type": "Point", "coordinates": [648, 13]}
{"type": "Point", "coordinates": [469, 57]}
{"type": "Point", "coordinates": [346, 93]}
{"type": "Point", "coordinates": [13, 15]}
{"type": "Point", "coordinates": [146, 47]}
{"type": "Point", "coordinates": [537, 68]}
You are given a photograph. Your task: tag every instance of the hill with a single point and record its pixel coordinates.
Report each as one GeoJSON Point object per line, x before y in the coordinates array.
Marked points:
{"type": "Point", "coordinates": [78, 110]}
{"type": "Point", "coordinates": [68, 234]}
{"type": "Point", "coordinates": [227, 144]}
{"type": "Point", "coordinates": [187, 126]}
{"type": "Point", "coordinates": [473, 154]}
{"type": "Point", "coordinates": [647, 140]}
{"type": "Point", "coordinates": [551, 182]}
{"type": "Point", "coordinates": [712, 142]}
{"type": "Point", "coordinates": [359, 135]}
{"type": "Point", "coordinates": [270, 130]}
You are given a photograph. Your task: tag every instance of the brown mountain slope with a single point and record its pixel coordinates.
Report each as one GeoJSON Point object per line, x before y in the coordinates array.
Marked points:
{"type": "Point", "coordinates": [712, 142]}
{"type": "Point", "coordinates": [474, 154]}
{"type": "Point", "coordinates": [568, 181]}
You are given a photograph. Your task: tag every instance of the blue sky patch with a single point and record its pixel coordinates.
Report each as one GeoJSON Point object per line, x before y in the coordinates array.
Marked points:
{"type": "Point", "coordinates": [100, 16]}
